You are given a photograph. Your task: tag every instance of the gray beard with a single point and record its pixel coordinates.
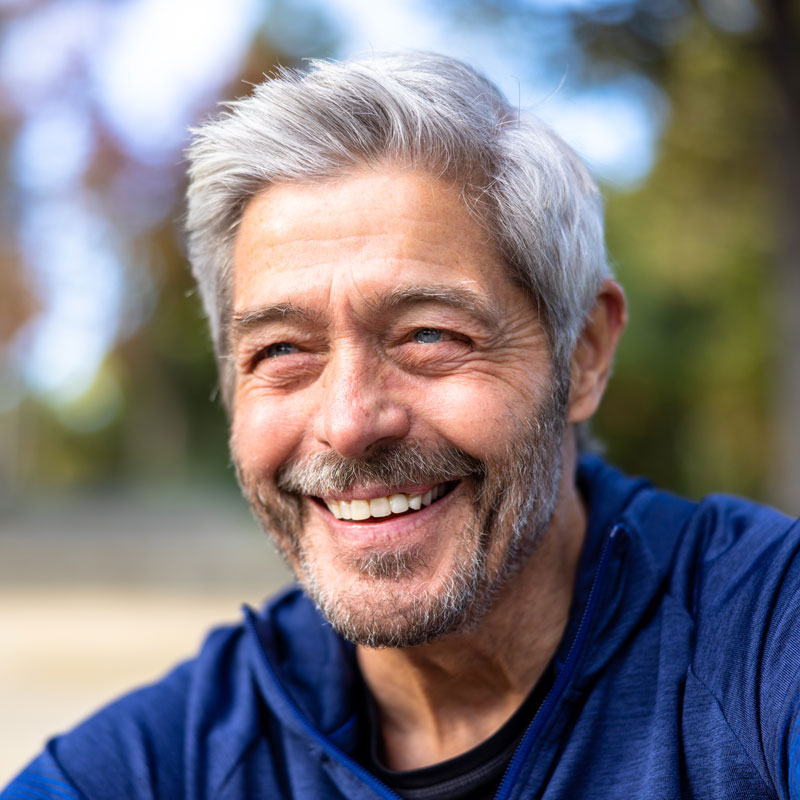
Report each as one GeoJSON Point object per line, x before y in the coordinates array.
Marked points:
{"type": "Point", "coordinates": [513, 501]}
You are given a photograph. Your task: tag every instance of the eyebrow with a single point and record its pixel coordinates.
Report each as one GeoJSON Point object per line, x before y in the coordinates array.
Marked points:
{"type": "Point", "coordinates": [242, 322]}
{"type": "Point", "coordinates": [458, 297]}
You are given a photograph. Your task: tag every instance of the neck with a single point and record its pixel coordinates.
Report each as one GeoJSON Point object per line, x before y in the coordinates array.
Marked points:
{"type": "Point", "coordinates": [441, 699]}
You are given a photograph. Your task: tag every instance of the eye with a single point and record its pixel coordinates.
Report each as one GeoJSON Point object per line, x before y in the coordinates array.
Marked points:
{"type": "Point", "coordinates": [428, 335]}
{"type": "Point", "coordinates": [279, 349]}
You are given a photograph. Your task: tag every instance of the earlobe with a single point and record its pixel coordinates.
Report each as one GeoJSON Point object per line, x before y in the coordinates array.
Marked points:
{"type": "Point", "coordinates": [594, 351]}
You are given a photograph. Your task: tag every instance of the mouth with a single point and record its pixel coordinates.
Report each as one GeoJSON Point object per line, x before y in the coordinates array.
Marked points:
{"type": "Point", "coordinates": [388, 506]}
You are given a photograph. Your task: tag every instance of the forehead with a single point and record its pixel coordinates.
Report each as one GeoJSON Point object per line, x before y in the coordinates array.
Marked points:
{"type": "Point", "coordinates": [363, 235]}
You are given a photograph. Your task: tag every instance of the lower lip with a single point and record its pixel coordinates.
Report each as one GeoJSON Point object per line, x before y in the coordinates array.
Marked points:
{"type": "Point", "coordinates": [400, 530]}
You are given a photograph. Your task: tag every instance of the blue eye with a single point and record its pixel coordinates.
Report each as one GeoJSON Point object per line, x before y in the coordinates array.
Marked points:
{"type": "Point", "coordinates": [279, 349]}
{"type": "Point", "coordinates": [428, 335]}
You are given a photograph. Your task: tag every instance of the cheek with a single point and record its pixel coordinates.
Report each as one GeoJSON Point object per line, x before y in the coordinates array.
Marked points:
{"type": "Point", "coordinates": [264, 434]}
{"type": "Point", "coordinates": [478, 415]}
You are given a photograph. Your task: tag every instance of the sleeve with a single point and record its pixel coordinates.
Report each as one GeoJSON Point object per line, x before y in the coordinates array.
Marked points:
{"type": "Point", "coordinates": [779, 686]}
{"type": "Point", "coordinates": [42, 779]}
{"type": "Point", "coordinates": [747, 652]}
{"type": "Point", "coordinates": [793, 757]}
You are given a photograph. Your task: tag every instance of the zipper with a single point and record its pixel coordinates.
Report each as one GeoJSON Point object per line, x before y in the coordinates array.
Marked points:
{"type": "Point", "coordinates": [537, 723]}
{"type": "Point", "coordinates": [564, 677]}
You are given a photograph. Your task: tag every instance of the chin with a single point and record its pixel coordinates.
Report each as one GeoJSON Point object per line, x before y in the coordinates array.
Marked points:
{"type": "Point", "coordinates": [388, 607]}
{"type": "Point", "coordinates": [405, 597]}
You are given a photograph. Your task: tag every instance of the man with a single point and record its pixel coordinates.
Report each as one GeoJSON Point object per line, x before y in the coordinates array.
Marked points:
{"type": "Point", "coordinates": [409, 299]}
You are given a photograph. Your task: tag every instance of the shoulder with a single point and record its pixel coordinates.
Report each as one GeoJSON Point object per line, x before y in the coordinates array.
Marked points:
{"type": "Point", "coordinates": [725, 576]}
{"type": "Point", "coordinates": [736, 547]}
{"type": "Point", "coordinates": [179, 736]}
{"type": "Point", "coordinates": [722, 557]}
{"type": "Point", "coordinates": [704, 548]}
{"type": "Point", "coordinates": [139, 742]}
{"type": "Point", "coordinates": [746, 597]}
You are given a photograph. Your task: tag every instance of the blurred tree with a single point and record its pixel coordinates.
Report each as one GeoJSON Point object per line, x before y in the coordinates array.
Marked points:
{"type": "Point", "coordinates": [707, 385]}
{"type": "Point", "coordinates": [17, 303]}
{"type": "Point", "coordinates": [150, 412]}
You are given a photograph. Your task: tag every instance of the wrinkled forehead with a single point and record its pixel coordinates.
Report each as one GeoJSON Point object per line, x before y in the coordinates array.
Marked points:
{"type": "Point", "coordinates": [365, 235]}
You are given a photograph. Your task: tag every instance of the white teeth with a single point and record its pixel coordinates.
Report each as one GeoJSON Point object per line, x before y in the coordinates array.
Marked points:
{"type": "Point", "coordinates": [398, 503]}
{"type": "Point", "coordinates": [379, 507]}
{"type": "Point", "coordinates": [334, 508]}
{"type": "Point", "coordinates": [360, 509]}
{"type": "Point", "coordinates": [383, 506]}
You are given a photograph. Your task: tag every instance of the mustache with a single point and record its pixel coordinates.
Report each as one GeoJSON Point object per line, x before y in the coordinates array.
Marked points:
{"type": "Point", "coordinates": [395, 464]}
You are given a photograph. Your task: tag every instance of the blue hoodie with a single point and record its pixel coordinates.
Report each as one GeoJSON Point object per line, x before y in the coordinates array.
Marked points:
{"type": "Point", "coordinates": [678, 676]}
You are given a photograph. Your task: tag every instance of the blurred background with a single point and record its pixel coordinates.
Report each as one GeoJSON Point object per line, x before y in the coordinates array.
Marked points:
{"type": "Point", "coordinates": [122, 536]}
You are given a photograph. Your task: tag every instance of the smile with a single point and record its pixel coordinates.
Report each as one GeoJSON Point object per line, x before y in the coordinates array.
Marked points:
{"type": "Point", "coordinates": [386, 506]}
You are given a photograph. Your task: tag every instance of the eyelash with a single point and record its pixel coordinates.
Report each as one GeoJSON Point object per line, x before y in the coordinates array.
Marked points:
{"type": "Point", "coordinates": [268, 352]}
{"type": "Point", "coordinates": [423, 331]}
{"type": "Point", "coordinates": [257, 355]}
{"type": "Point", "coordinates": [265, 352]}
{"type": "Point", "coordinates": [445, 336]}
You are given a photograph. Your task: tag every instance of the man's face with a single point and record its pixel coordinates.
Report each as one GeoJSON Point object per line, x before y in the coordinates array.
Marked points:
{"type": "Point", "coordinates": [395, 424]}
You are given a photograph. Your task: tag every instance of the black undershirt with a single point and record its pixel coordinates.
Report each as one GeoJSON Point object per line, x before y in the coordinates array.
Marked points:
{"type": "Point", "coordinates": [474, 775]}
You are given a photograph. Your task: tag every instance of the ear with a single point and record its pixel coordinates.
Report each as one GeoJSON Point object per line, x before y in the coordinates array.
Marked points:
{"type": "Point", "coordinates": [594, 351]}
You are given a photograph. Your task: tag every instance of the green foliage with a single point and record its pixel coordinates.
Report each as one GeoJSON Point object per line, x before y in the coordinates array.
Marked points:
{"type": "Point", "coordinates": [694, 245]}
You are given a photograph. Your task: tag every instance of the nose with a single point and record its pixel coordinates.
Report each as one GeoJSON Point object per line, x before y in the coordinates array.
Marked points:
{"type": "Point", "coordinates": [356, 409]}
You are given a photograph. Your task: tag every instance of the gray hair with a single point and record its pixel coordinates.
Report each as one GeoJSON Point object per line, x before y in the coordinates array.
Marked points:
{"type": "Point", "coordinates": [533, 194]}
